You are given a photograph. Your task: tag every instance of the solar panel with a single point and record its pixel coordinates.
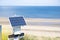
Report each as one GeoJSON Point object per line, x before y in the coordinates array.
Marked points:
{"type": "Point", "coordinates": [17, 21]}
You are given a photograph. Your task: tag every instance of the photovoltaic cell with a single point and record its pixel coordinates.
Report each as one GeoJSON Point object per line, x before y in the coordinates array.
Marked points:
{"type": "Point", "coordinates": [17, 21]}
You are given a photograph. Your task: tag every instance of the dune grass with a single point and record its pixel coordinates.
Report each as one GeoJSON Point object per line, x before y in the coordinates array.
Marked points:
{"type": "Point", "coordinates": [4, 36]}
{"type": "Point", "coordinates": [31, 37]}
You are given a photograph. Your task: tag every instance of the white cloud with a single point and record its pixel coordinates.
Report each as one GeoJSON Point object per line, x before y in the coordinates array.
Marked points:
{"type": "Point", "coordinates": [30, 2]}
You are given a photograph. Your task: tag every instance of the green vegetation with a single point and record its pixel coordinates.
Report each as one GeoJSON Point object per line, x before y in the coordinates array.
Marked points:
{"type": "Point", "coordinates": [49, 38]}
{"type": "Point", "coordinates": [31, 37]}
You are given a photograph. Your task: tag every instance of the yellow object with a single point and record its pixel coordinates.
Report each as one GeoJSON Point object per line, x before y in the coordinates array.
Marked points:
{"type": "Point", "coordinates": [6, 30]}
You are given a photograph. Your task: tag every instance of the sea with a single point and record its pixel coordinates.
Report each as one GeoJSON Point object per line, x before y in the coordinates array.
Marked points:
{"type": "Point", "coordinates": [31, 11]}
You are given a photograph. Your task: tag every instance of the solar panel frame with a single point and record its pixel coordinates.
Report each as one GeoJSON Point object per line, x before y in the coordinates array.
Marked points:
{"type": "Point", "coordinates": [17, 21]}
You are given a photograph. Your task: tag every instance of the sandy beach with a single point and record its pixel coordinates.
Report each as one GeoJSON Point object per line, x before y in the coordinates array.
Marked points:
{"type": "Point", "coordinates": [34, 26]}
{"type": "Point", "coordinates": [42, 27]}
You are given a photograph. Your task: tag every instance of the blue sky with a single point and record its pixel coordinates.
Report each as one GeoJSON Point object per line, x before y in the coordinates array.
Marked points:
{"type": "Point", "coordinates": [30, 2]}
